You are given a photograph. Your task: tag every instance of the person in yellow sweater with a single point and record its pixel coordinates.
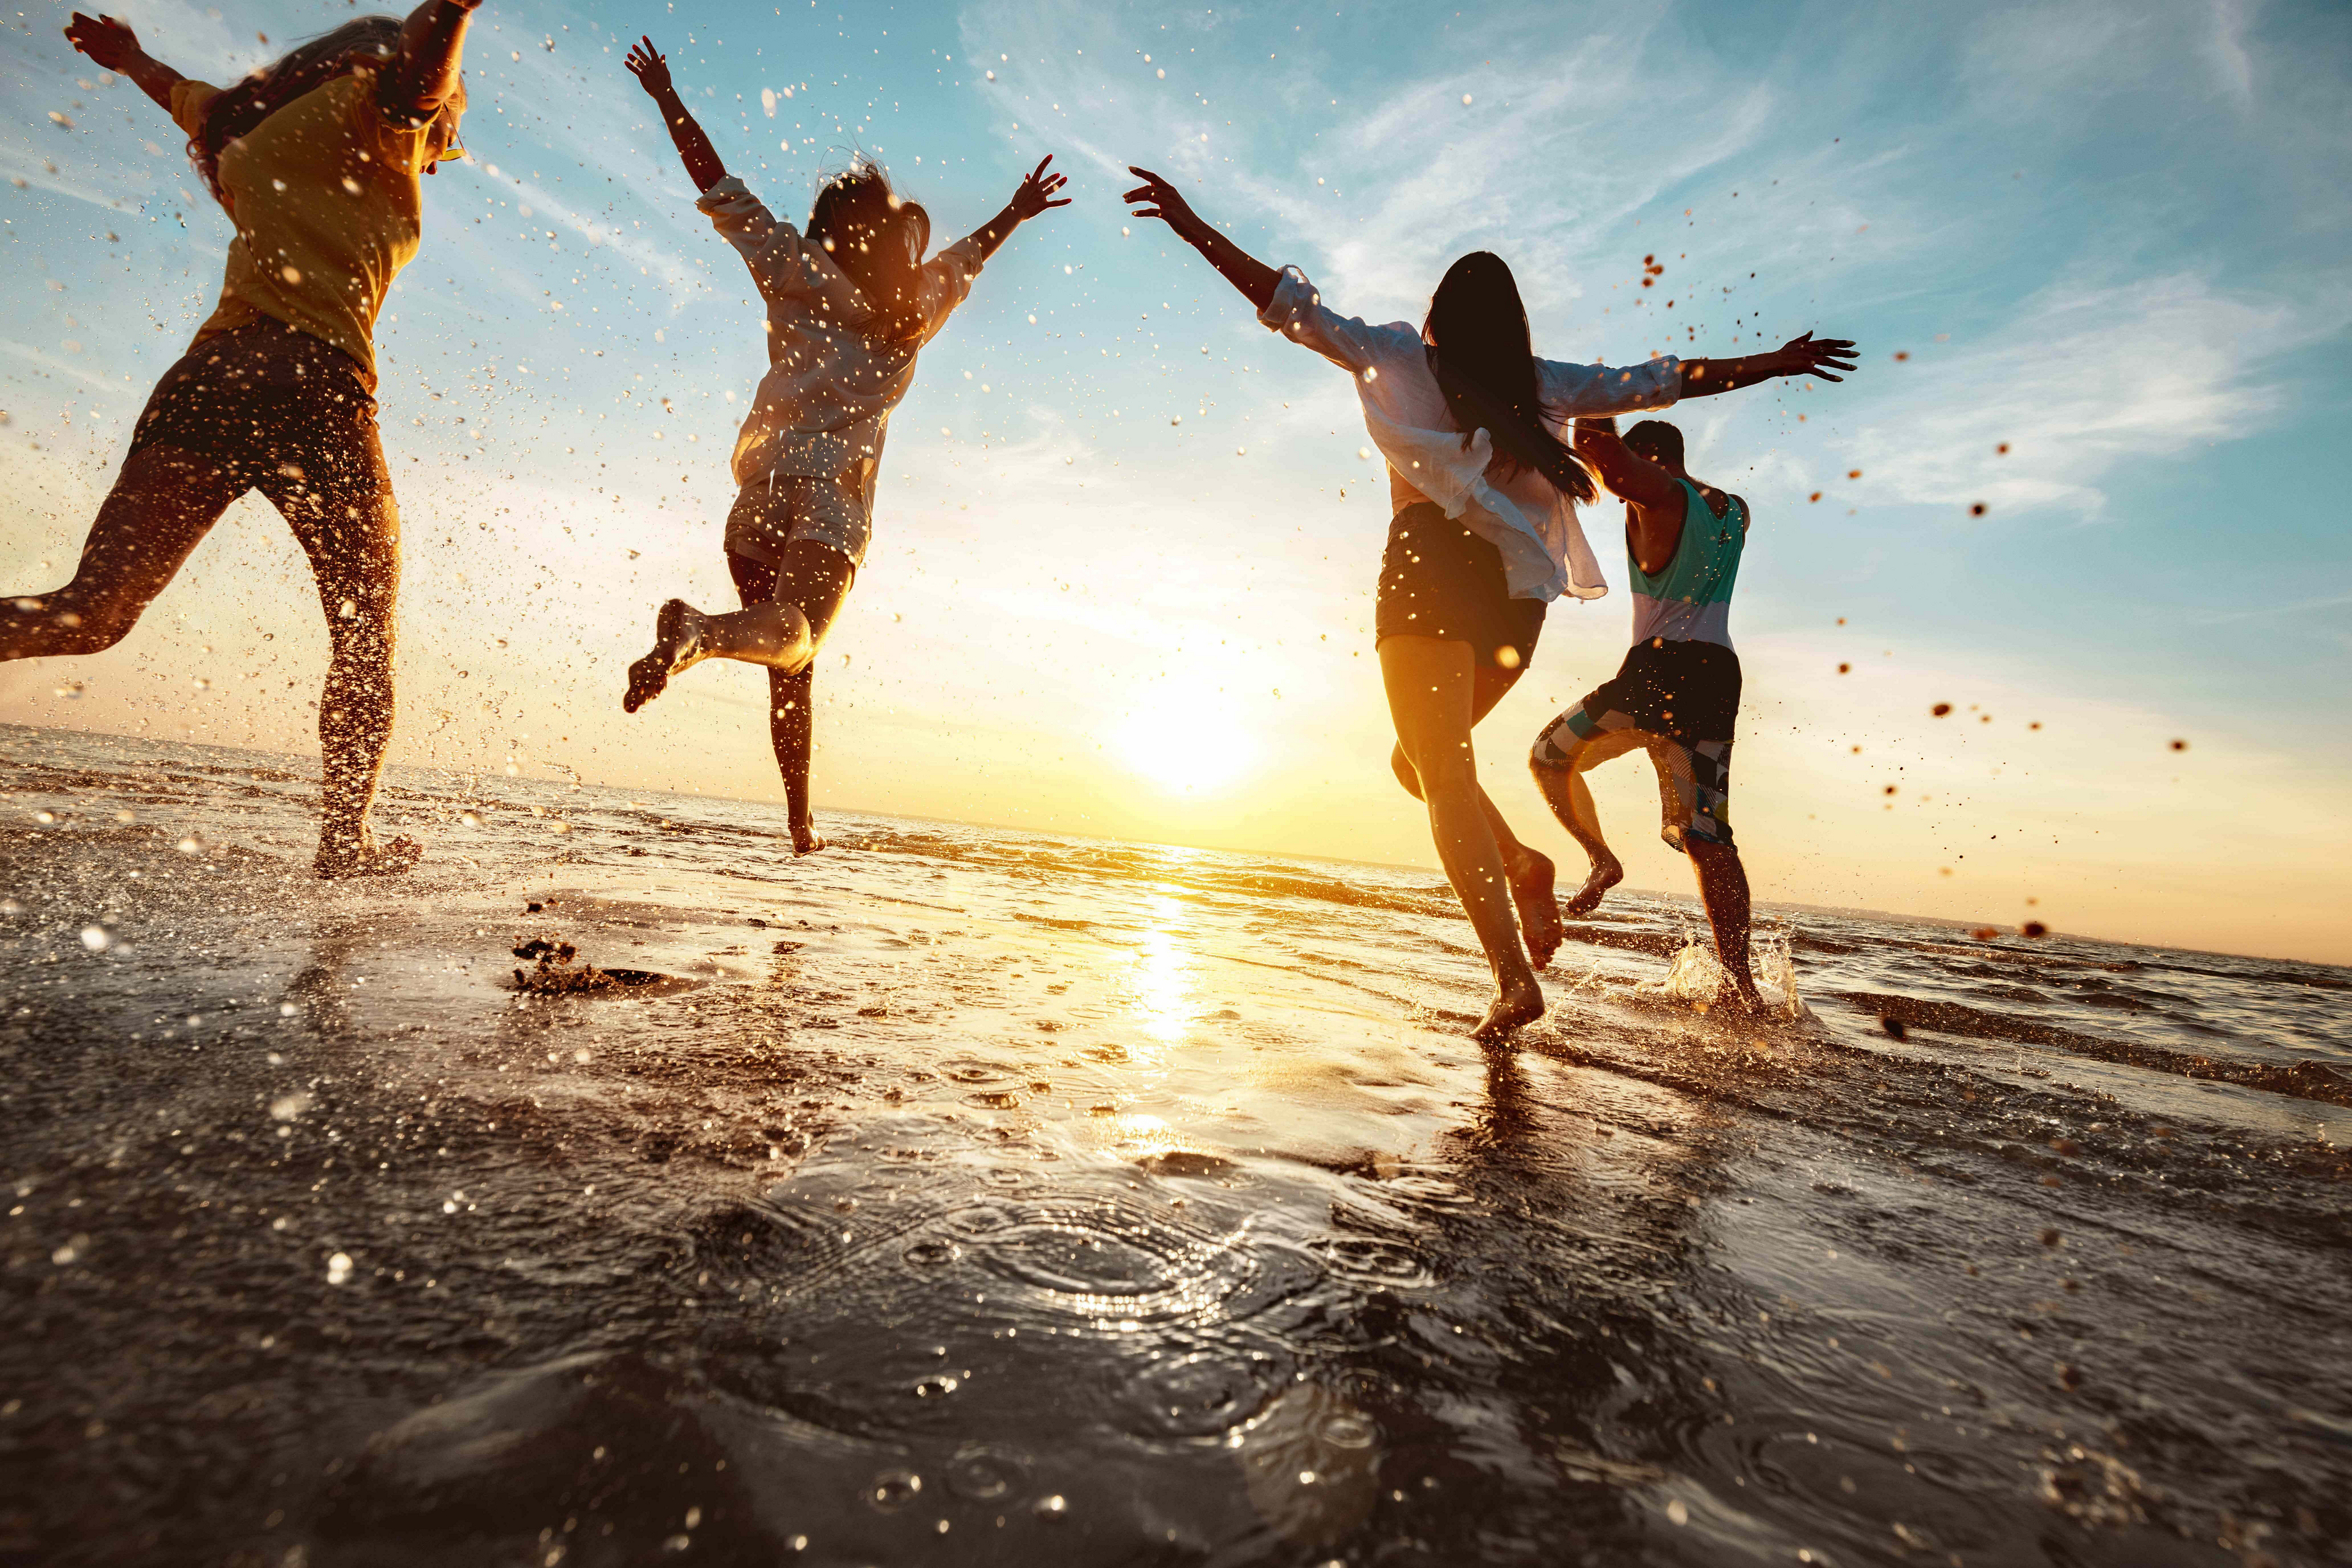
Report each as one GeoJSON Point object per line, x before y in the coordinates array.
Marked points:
{"type": "Point", "coordinates": [315, 161]}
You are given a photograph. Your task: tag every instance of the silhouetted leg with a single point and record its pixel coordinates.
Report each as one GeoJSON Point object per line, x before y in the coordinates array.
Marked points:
{"type": "Point", "coordinates": [1723, 889]}
{"type": "Point", "coordinates": [1560, 761]}
{"type": "Point", "coordinates": [341, 507]}
{"type": "Point", "coordinates": [1431, 691]}
{"type": "Point", "coordinates": [163, 503]}
{"type": "Point", "coordinates": [811, 583]}
{"type": "Point", "coordinates": [1530, 871]}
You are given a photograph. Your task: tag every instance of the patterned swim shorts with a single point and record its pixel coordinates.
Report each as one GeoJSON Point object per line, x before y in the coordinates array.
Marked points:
{"type": "Point", "coordinates": [1677, 701]}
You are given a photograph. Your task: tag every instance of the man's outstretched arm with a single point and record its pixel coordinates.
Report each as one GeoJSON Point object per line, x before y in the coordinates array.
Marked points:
{"type": "Point", "coordinates": [1629, 475]}
{"type": "Point", "coordinates": [112, 46]}
{"type": "Point", "coordinates": [1798, 356]}
{"type": "Point", "coordinates": [652, 71]}
{"type": "Point", "coordinates": [1656, 524]}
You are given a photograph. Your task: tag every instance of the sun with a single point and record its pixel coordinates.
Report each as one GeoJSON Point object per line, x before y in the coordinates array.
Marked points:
{"type": "Point", "coordinates": [1187, 740]}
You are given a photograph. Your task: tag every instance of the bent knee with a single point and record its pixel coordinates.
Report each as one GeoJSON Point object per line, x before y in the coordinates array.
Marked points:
{"type": "Point", "coordinates": [46, 630]}
{"type": "Point", "coordinates": [1407, 776]}
{"type": "Point", "coordinates": [1554, 752]}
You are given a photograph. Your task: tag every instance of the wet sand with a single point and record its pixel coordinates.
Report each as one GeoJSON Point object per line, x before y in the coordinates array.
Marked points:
{"type": "Point", "coordinates": [964, 1195]}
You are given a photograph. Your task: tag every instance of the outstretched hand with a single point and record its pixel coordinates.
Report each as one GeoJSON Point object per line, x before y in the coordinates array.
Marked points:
{"type": "Point", "coordinates": [1037, 189]}
{"type": "Point", "coordinates": [1804, 356]}
{"type": "Point", "coordinates": [650, 66]}
{"type": "Point", "coordinates": [1160, 200]}
{"type": "Point", "coordinates": [111, 45]}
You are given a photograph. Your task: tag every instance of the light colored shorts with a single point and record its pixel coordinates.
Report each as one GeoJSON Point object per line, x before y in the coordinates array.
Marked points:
{"type": "Point", "coordinates": [770, 513]}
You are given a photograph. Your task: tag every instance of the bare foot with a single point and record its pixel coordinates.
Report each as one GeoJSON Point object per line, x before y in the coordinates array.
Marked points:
{"type": "Point", "coordinates": [1606, 874]}
{"type": "Point", "coordinates": [1513, 1006]}
{"type": "Point", "coordinates": [678, 636]}
{"type": "Point", "coordinates": [1749, 1000]}
{"type": "Point", "coordinates": [807, 839]}
{"type": "Point", "coordinates": [1532, 891]}
{"type": "Point", "coordinates": [368, 860]}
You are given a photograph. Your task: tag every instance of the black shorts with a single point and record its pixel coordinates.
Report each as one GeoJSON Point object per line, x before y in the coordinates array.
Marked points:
{"type": "Point", "coordinates": [266, 400]}
{"type": "Point", "coordinates": [1440, 580]}
{"type": "Point", "coordinates": [1687, 691]}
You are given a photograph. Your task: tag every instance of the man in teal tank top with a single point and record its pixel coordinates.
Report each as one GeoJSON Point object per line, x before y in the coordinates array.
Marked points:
{"type": "Point", "coordinates": [1677, 694]}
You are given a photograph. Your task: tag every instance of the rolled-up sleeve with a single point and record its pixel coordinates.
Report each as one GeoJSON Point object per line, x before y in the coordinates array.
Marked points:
{"type": "Point", "coordinates": [1298, 314]}
{"type": "Point", "coordinates": [947, 283]}
{"type": "Point", "coordinates": [782, 264]}
{"type": "Point", "coordinates": [1595, 390]}
{"type": "Point", "coordinates": [190, 99]}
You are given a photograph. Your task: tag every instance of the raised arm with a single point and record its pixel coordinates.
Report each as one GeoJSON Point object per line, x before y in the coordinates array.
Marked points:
{"type": "Point", "coordinates": [652, 70]}
{"type": "Point", "coordinates": [1798, 356]}
{"type": "Point", "coordinates": [1656, 530]}
{"type": "Point", "coordinates": [1629, 475]}
{"type": "Point", "coordinates": [1246, 272]}
{"type": "Point", "coordinates": [424, 76]}
{"type": "Point", "coordinates": [112, 46]}
{"type": "Point", "coordinates": [1033, 197]}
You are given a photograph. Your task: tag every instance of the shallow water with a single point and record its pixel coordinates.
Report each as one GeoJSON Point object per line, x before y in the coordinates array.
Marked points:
{"type": "Point", "coordinates": [970, 1195]}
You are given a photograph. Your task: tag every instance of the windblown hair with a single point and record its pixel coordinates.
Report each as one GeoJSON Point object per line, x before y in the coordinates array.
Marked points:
{"type": "Point", "coordinates": [876, 237]}
{"type": "Point", "coordinates": [1657, 440]}
{"type": "Point", "coordinates": [1479, 351]}
{"type": "Point", "coordinates": [363, 43]}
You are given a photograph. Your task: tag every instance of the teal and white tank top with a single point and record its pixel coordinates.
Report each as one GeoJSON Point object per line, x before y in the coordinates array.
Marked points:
{"type": "Point", "coordinates": [1690, 601]}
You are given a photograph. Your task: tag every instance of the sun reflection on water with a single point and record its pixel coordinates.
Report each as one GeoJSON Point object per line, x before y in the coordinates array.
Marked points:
{"type": "Point", "coordinates": [1165, 970]}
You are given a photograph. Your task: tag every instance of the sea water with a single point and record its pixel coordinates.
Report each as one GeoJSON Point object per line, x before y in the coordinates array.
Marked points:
{"type": "Point", "coordinates": [963, 1194]}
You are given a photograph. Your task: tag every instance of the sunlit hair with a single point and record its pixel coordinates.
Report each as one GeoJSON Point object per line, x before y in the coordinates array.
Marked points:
{"type": "Point", "coordinates": [876, 237]}
{"type": "Point", "coordinates": [1479, 351]}
{"type": "Point", "coordinates": [1657, 440]}
{"type": "Point", "coordinates": [363, 43]}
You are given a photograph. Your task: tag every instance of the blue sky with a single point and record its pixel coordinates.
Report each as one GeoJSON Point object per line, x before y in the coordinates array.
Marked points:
{"type": "Point", "coordinates": [1116, 585]}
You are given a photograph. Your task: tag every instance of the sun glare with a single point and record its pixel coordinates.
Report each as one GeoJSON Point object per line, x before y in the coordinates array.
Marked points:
{"type": "Point", "coordinates": [1186, 741]}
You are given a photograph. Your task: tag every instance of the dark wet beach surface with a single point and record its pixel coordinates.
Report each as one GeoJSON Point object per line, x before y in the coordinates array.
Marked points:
{"type": "Point", "coordinates": [974, 1197]}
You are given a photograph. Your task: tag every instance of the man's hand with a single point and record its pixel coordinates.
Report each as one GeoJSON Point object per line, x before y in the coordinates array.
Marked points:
{"type": "Point", "coordinates": [1163, 201]}
{"type": "Point", "coordinates": [1033, 196]}
{"type": "Point", "coordinates": [111, 45]}
{"type": "Point", "coordinates": [649, 67]}
{"type": "Point", "coordinates": [1804, 356]}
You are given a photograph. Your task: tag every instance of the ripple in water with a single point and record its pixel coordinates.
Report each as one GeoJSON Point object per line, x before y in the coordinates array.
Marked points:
{"type": "Point", "coordinates": [987, 1472]}
{"type": "Point", "coordinates": [892, 1490]}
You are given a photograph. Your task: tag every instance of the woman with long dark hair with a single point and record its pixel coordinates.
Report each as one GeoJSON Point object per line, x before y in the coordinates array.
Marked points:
{"type": "Point", "coordinates": [850, 303]}
{"type": "Point", "coordinates": [315, 161]}
{"type": "Point", "coordinates": [1484, 535]}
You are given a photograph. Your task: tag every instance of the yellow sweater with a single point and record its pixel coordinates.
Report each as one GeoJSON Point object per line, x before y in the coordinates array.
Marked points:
{"type": "Point", "coordinates": [325, 198]}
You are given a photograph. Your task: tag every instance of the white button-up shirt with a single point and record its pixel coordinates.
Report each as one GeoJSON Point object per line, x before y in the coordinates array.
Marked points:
{"type": "Point", "coordinates": [1524, 516]}
{"type": "Point", "coordinates": [826, 399]}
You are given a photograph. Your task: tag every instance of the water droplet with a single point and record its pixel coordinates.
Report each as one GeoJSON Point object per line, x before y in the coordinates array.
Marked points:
{"type": "Point", "coordinates": [1679, 1511]}
{"type": "Point", "coordinates": [95, 938]}
{"type": "Point", "coordinates": [938, 1385]}
{"type": "Point", "coordinates": [1053, 1508]}
{"type": "Point", "coordinates": [893, 1490]}
{"type": "Point", "coordinates": [339, 1268]}
{"type": "Point", "coordinates": [45, 818]}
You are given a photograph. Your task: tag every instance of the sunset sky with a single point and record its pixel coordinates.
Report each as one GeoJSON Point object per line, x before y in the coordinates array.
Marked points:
{"type": "Point", "coordinates": [1126, 540]}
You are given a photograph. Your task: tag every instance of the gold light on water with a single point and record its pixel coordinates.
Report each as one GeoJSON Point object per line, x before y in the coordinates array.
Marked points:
{"type": "Point", "coordinates": [1164, 976]}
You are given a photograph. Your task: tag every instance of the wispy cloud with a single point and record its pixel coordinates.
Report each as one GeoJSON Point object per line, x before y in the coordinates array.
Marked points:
{"type": "Point", "coordinates": [2085, 378]}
